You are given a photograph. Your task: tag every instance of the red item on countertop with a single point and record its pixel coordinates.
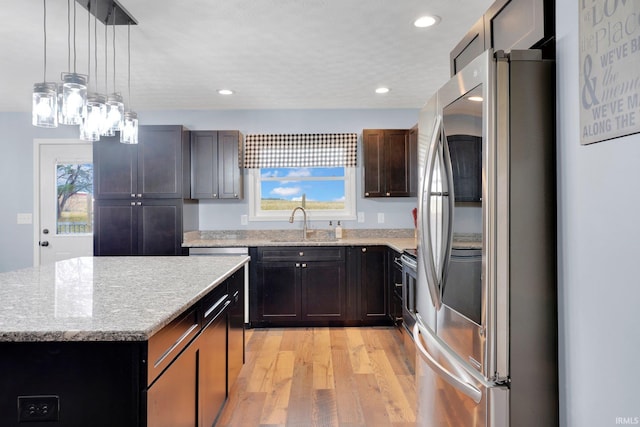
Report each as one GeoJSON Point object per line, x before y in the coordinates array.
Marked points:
{"type": "Point", "coordinates": [414, 212]}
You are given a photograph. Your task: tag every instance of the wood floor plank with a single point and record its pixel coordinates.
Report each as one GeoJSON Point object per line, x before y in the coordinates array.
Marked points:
{"type": "Point", "coordinates": [276, 404]}
{"type": "Point", "coordinates": [371, 401]}
{"type": "Point", "coordinates": [358, 352]}
{"type": "Point", "coordinates": [325, 412]}
{"type": "Point", "coordinates": [348, 402]}
{"type": "Point", "coordinates": [322, 364]}
{"type": "Point", "coordinates": [396, 402]}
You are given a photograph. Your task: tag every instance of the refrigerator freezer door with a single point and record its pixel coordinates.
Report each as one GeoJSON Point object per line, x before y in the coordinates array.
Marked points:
{"type": "Point", "coordinates": [449, 395]}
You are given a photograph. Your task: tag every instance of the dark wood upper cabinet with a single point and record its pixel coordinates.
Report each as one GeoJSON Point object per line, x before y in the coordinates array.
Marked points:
{"type": "Point", "coordinates": [157, 167]}
{"type": "Point", "coordinates": [215, 171]}
{"type": "Point", "coordinates": [390, 163]}
{"type": "Point", "coordinates": [139, 191]}
{"type": "Point", "coordinates": [507, 25]}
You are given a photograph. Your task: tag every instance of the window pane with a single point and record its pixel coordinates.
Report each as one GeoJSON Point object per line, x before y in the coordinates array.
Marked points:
{"type": "Point", "coordinates": [75, 198]}
{"type": "Point", "coordinates": [284, 188]}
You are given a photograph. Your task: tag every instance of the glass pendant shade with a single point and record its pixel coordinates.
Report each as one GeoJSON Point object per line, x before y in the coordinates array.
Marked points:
{"type": "Point", "coordinates": [44, 112]}
{"type": "Point", "coordinates": [92, 125]}
{"type": "Point", "coordinates": [115, 114]}
{"type": "Point", "coordinates": [74, 98]}
{"type": "Point", "coordinates": [129, 131]}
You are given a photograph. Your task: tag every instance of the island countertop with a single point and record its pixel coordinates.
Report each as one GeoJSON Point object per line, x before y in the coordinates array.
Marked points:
{"type": "Point", "coordinates": [105, 298]}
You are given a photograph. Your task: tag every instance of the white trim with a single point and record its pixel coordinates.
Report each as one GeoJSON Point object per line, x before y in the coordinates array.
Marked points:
{"type": "Point", "coordinates": [36, 187]}
{"type": "Point", "coordinates": [349, 212]}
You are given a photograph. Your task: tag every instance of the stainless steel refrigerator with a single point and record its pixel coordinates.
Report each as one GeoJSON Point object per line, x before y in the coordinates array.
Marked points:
{"type": "Point", "coordinates": [486, 323]}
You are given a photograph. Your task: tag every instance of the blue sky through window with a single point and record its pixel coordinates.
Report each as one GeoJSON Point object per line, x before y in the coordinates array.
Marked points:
{"type": "Point", "coordinates": [318, 183]}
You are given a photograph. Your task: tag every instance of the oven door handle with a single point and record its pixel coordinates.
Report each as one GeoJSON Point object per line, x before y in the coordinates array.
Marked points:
{"type": "Point", "coordinates": [454, 380]}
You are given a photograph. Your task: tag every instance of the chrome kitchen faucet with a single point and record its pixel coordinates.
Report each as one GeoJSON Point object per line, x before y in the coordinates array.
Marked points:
{"type": "Point", "coordinates": [304, 226]}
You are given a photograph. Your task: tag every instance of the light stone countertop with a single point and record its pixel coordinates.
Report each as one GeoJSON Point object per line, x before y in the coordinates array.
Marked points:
{"type": "Point", "coordinates": [105, 298]}
{"type": "Point", "coordinates": [398, 240]}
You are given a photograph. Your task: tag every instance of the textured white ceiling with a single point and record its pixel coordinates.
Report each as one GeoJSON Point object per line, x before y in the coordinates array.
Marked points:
{"type": "Point", "coordinates": [285, 54]}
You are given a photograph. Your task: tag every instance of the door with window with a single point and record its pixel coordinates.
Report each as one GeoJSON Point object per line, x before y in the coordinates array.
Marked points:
{"type": "Point", "coordinates": [65, 224]}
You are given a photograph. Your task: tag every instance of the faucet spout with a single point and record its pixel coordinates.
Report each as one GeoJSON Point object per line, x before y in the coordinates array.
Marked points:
{"type": "Point", "coordinates": [304, 225]}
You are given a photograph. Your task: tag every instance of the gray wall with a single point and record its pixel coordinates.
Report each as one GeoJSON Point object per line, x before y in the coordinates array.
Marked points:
{"type": "Point", "coordinates": [599, 254]}
{"type": "Point", "coordinates": [16, 164]}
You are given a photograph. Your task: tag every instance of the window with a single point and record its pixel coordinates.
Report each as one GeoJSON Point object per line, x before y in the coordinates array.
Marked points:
{"type": "Point", "coordinates": [74, 184]}
{"type": "Point", "coordinates": [325, 192]}
{"type": "Point", "coordinates": [316, 171]}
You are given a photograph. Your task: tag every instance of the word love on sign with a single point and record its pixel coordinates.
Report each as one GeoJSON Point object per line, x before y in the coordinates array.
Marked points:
{"type": "Point", "coordinates": [609, 69]}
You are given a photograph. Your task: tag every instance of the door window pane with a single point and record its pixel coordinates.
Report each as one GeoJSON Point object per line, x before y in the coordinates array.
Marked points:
{"type": "Point", "coordinates": [74, 184]}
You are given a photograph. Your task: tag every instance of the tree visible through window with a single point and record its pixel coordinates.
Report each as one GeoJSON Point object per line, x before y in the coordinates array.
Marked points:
{"type": "Point", "coordinates": [74, 184]}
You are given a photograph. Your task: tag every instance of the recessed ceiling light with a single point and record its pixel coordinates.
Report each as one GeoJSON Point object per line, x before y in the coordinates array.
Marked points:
{"type": "Point", "coordinates": [225, 92]}
{"type": "Point", "coordinates": [475, 98]}
{"type": "Point", "coordinates": [426, 21]}
{"type": "Point", "coordinates": [382, 90]}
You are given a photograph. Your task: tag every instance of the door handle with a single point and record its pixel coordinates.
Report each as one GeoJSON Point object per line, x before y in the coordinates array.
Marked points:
{"type": "Point", "coordinates": [45, 243]}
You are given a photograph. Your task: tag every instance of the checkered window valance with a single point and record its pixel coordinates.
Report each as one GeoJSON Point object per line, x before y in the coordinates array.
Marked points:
{"type": "Point", "coordinates": [300, 150]}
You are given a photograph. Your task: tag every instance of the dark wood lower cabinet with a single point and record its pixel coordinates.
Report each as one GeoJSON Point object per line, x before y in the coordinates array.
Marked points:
{"type": "Point", "coordinates": [297, 286]}
{"type": "Point", "coordinates": [178, 378]}
{"type": "Point", "coordinates": [331, 285]}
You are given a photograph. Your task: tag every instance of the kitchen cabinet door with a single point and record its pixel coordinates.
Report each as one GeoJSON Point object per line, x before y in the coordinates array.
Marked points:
{"type": "Point", "coordinates": [373, 284]}
{"type": "Point", "coordinates": [215, 171]}
{"type": "Point", "coordinates": [389, 163]}
{"type": "Point", "coordinates": [278, 292]}
{"type": "Point", "coordinates": [156, 167]}
{"type": "Point", "coordinates": [395, 287]}
{"type": "Point", "coordinates": [145, 227]}
{"type": "Point", "coordinates": [235, 347]}
{"type": "Point", "coordinates": [323, 289]}
{"type": "Point", "coordinates": [172, 399]}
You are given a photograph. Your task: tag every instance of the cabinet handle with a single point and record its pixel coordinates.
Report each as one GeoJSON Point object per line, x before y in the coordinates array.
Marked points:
{"type": "Point", "coordinates": [139, 203]}
{"type": "Point", "coordinates": [297, 264]}
{"type": "Point", "coordinates": [133, 203]}
{"type": "Point", "coordinates": [215, 195]}
{"type": "Point", "coordinates": [304, 265]}
{"type": "Point", "coordinates": [140, 196]}
{"type": "Point", "coordinates": [388, 194]}
{"type": "Point", "coordinates": [301, 253]}
{"type": "Point", "coordinates": [235, 195]}
{"type": "Point", "coordinates": [364, 249]}
{"type": "Point", "coordinates": [133, 195]}
{"type": "Point", "coordinates": [366, 194]}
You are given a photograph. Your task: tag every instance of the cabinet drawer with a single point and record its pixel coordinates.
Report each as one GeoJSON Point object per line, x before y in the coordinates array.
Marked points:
{"type": "Point", "coordinates": [299, 253]}
{"type": "Point", "coordinates": [214, 303]}
{"type": "Point", "coordinates": [165, 345]}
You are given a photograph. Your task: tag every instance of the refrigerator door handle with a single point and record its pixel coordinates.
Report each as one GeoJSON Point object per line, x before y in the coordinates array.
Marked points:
{"type": "Point", "coordinates": [425, 218]}
{"type": "Point", "coordinates": [460, 384]}
{"type": "Point", "coordinates": [449, 217]}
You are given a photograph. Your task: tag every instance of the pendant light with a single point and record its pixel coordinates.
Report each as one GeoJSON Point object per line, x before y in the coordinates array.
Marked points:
{"type": "Point", "coordinates": [93, 123]}
{"type": "Point", "coordinates": [115, 104]}
{"type": "Point", "coordinates": [44, 111]}
{"type": "Point", "coordinates": [74, 89]}
{"type": "Point", "coordinates": [129, 131]}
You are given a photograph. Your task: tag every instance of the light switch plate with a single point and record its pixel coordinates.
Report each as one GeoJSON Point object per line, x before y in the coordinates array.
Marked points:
{"type": "Point", "coordinates": [25, 218]}
{"type": "Point", "coordinates": [360, 216]}
{"type": "Point", "coordinates": [380, 217]}
{"type": "Point", "coordinates": [244, 220]}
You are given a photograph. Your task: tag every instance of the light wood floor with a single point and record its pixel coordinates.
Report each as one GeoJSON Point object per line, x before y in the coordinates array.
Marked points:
{"type": "Point", "coordinates": [343, 377]}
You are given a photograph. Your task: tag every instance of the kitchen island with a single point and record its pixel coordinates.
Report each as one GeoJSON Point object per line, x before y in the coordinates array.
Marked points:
{"type": "Point", "coordinates": [117, 341]}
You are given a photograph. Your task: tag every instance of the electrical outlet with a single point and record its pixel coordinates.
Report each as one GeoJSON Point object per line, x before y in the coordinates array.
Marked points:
{"type": "Point", "coordinates": [380, 217]}
{"type": "Point", "coordinates": [360, 216]}
{"type": "Point", "coordinates": [244, 219]}
{"type": "Point", "coordinates": [38, 408]}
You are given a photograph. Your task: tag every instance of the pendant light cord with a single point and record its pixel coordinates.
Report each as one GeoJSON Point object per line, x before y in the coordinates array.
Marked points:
{"type": "Point", "coordinates": [129, 63]}
{"type": "Point", "coordinates": [106, 61]}
{"type": "Point", "coordinates": [114, 47]}
{"type": "Point", "coordinates": [44, 3]}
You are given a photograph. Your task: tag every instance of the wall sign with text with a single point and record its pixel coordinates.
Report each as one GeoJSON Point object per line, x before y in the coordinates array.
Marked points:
{"type": "Point", "coordinates": [609, 69]}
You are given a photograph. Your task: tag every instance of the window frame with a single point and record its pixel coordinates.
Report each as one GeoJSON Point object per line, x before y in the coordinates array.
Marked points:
{"type": "Point", "coordinates": [255, 197]}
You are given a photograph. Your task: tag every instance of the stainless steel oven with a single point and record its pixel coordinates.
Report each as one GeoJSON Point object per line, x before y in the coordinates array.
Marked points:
{"type": "Point", "coordinates": [409, 283]}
